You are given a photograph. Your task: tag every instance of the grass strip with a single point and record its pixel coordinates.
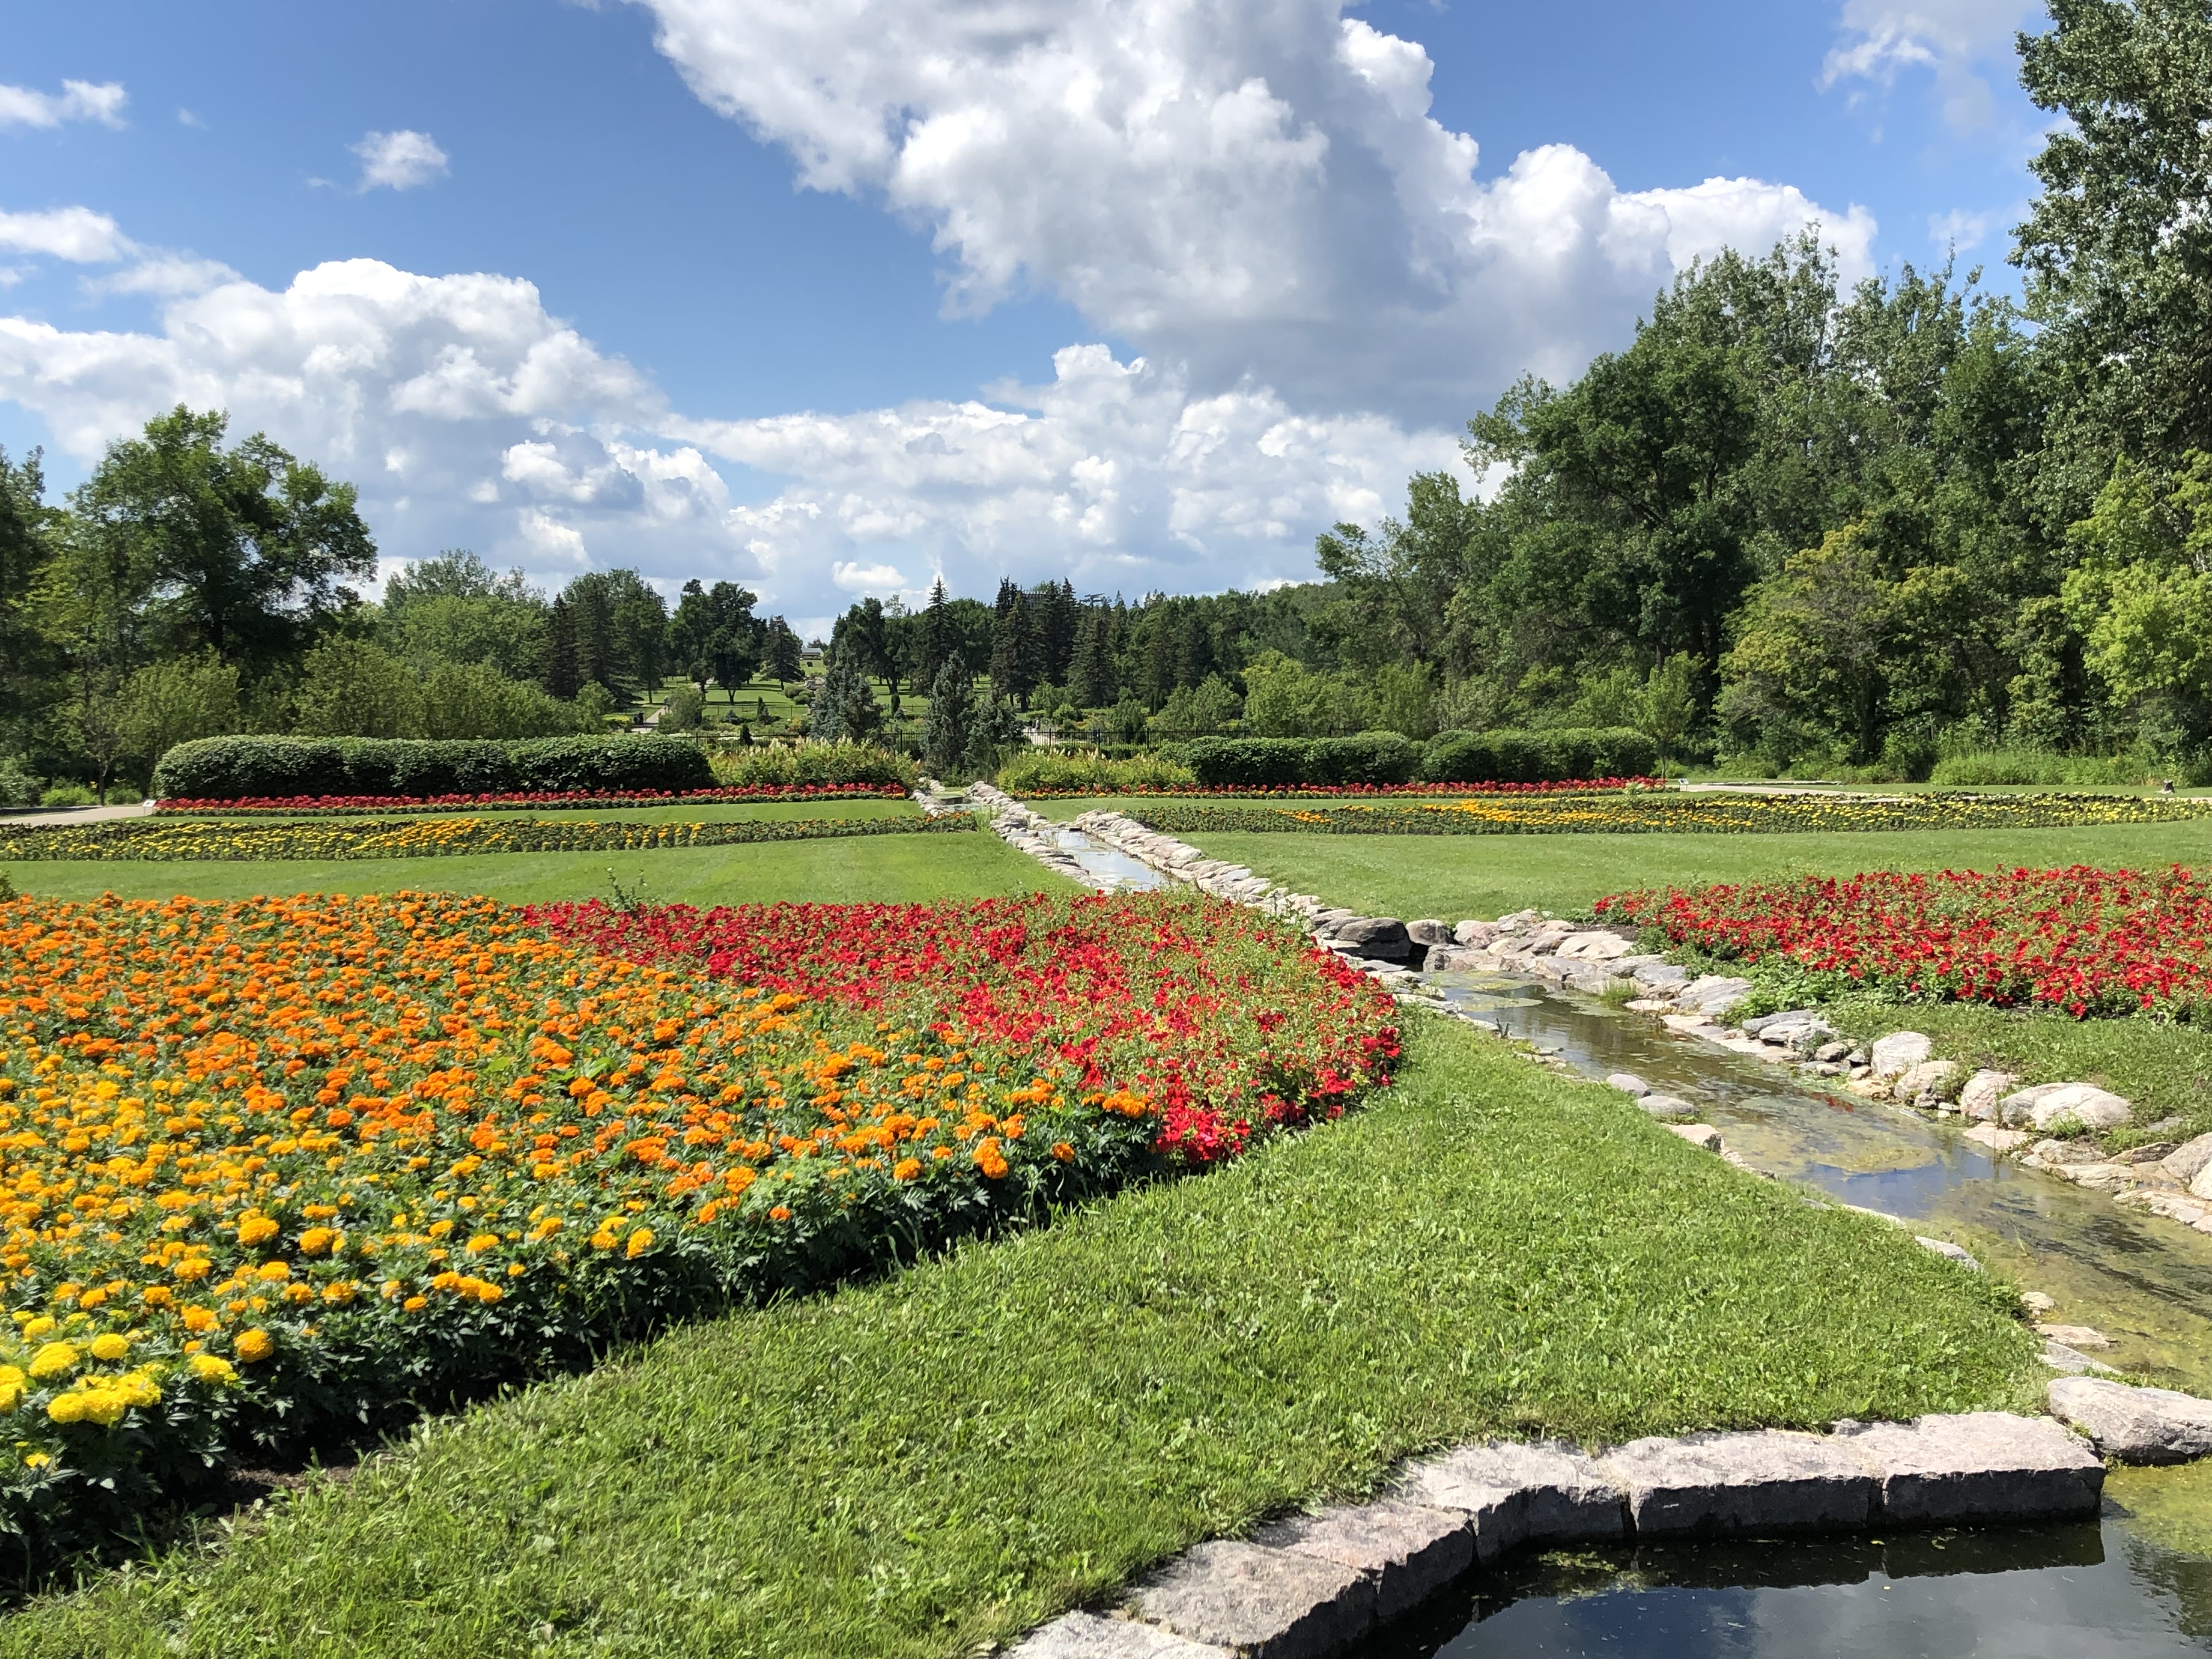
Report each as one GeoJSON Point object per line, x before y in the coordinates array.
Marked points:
{"type": "Point", "coordinates": [920, 1466]}
{"type": "Point", "coordinates": [893, 869]}
{"type": "Point", "coordinates": [169, 841]}
{"type": "Point", "coordinates": [1671, 813]}
{"type": "Point", "coordinates": [1457, 876]}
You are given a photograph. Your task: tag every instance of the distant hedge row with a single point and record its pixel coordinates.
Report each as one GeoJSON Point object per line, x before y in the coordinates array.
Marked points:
{"type": "Point", "coordinates": [1378, 758]}
{"type": "Point", "coordinates": [230, 769]}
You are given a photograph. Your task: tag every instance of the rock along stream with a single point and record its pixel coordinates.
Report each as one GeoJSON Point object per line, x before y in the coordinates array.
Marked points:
{"type": "Point", "coordinates": [2136, 1583]}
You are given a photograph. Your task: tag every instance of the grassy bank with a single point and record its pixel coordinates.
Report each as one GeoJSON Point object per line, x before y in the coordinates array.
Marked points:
{"type": "Point", "coordinates": [884, 869]}
{"type": "Point", "coordinates": [1487, 876]}
{"type": "Point", "coordinates": [925, 1465]}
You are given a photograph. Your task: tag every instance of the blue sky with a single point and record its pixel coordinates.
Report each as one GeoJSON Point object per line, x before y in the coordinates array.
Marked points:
{"type": "Point", "coordinates": [831, 296]}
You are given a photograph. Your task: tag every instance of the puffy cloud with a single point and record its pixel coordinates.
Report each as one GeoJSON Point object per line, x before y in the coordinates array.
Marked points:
{"type": "Point", "coordinates": [78, 101]}
{"type": "Point", "coordinates": [467, 415]}
{"type": "Point", "coordinates": [1254, 188]}
{"type": "Point", "coordinates": [1950, 39]}
{"type": "Point", "coordinates": [75, 234]}
{"type": "Point", "coordinates": [398, 160]}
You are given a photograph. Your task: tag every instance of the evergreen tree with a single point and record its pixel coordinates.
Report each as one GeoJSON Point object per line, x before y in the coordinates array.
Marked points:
{"type": "Point", "coordinates": [844, 707]}
{"type": "Point", "coordinates": [1056, 617]}
{"type": "Point", "coordinates": [951, 717]}
{"type": "Point", "coordinates": [1090, 679]}
{"type": "Point", "coordinates": [564, 674]}
{"type": "Point", "coordinates": [934, 643]}
{"type": "Point", "coordinates": [1014, 646]}
{"type": "Point", "coordinates": [784, 656]}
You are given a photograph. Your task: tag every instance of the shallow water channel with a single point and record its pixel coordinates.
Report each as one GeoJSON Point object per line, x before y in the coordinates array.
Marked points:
{"type": "Point", "coordinates": [2136, 1584]}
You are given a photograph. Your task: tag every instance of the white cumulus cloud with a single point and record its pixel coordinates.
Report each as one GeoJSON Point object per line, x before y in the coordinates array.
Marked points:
{"type": "Point", "coordinates": [75, 233]}
{"type": "Point", "coordinates": [1254, 188]}
{"type": "Point", "coordinates": [78, 101]}
{"type": "Point", "coordinates": [1953, 40]}
{"type": "Point", "coordinates": [398, 160]}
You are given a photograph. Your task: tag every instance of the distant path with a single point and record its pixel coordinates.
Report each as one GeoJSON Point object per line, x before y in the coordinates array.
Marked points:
{"type": "Point", "coordinates": [82, 814]}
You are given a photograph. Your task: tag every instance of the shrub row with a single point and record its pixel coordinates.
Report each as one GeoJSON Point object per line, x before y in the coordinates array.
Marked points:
{"type": "Point", "coordinates": [1385, 757]}
{"type": "Point", "coordinates": [812, 765]}
{"type": "Point", "coordinates": [231, 768]}
{"type": "Point", "coordinates": [1506, 757]}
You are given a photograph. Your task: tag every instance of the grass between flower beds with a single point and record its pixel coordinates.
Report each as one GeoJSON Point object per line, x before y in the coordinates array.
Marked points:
{"type": "Point", "coordinates": [923, 1465]}
{"type": "Point", "coordinates": [1456, 877]}
{"type": "Point", "coordinates": [888, 870]}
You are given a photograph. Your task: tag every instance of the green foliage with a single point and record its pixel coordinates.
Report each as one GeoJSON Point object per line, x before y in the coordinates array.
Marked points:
{"type": "Point", "coordinates": [844, 708]}
{"type": "Point", "coordinates": [2027, 766]}
{"type": "Point", "coordinates": [714, 636]}
{"type": "Point", "coordinates": [1283, 698]}
{"type": "Point", "coordinates": [811, 763]}
{"type": "Point", "coordinates": [177, 701]}
{"type": "Point", "coordinates": [232, 769]}
{"type": "Point", "coordinates": [1049, 771]}
{"type": "Point", "coordinates": [1199, 711]}
{"type": "Point", "coordinates": [1565, 755]}
{"type": "Point", "coordinates": [1371, 757]}
{"type": "Point", "coordinates": [18, 788]}
{"type": "Point", "coordinates": [683, 710]}
{"type": "Point", "coordinates": [951, 717]}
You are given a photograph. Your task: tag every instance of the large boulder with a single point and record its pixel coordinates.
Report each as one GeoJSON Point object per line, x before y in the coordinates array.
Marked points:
{"type": "Point", "coordinates": [1474, 933]}
{"type": "Point", "coordinates": [2137, 1425]}
{"type": "Point", "coordinates": [1900, 1052]}
{"type": "Point", "coordinates": [1429, 933]}
{"type": "Point", "coordinates": [1980, 1096]}
{"type": "Point", "coordinates": [1714, 995]}
{"type": "Point", "coordinates": [2048, 1103]}
{"type": "Point", "coordinates": [1384, 938]}
{"type": "Point", "coordinates": [2189, 1160]}
{"type": "Point", "coordinates": [1596, 947]}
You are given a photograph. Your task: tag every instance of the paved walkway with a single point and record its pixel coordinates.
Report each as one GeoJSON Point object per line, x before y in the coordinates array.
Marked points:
{"type": "Point", "coordinates": [144, 808]}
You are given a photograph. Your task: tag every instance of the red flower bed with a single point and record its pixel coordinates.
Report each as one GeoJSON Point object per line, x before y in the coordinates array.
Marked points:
{"type": "Point", "coordinates": [1297, 791]}
{"type": "Point", "coordinates": [335, 806]}
{"type": "Point", "coordinates": [1199, 1014]}
{"type": "Point", "coordinates": [2089, 941]}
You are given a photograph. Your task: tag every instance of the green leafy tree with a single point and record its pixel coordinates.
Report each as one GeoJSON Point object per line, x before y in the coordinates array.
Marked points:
{"type": "Point", "coordinates": [177, 701]}
{"type": "Point", "coordinates": [785, 656]}
{"type": "Point", "coordinates": [354, 689]}
{"type": "Point", "coordinates": [244, 550]}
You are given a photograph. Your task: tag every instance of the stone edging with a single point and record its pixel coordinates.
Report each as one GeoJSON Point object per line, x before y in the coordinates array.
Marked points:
{"type": "Point", "coordinates": [1314, 1585]}
{"type": "Point", "coordinates": [1023, 830]}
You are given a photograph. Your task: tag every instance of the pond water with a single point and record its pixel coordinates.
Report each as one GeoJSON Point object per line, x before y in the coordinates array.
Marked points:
{"type": "Point", "coordinates": [2137, 1582]}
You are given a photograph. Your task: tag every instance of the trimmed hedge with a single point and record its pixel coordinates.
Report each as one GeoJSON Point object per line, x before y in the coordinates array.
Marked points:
{"type": "Point", "coordinates": [1371, 757]}
{"type": "Point", "coordinates": [230, 769]}
{"type": "Point", "coordinates": [1506, 757]}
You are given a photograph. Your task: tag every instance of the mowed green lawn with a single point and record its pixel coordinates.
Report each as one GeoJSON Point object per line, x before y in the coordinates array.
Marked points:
{"type": "Point", "coordinates": [1456, 877]}
{"type": "Point", "coordinates": [859, 870]}
{"type": "Point", "coordinates": [926, 1465]}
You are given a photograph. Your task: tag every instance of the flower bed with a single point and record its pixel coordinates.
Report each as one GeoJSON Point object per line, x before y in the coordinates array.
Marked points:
{"type": "Point", "coordinates": [1673, 813]}
{"type": "Point", "coordinates": [284, 1168]}
{"type": "Point", "coordinates": [2088, 941]}
{"type": "Point", "coordinates": [553, 800]}
{"type": "Point", "coordinates": [1350, 790]}
{"type": "Point", "coordinates": [151, 839]}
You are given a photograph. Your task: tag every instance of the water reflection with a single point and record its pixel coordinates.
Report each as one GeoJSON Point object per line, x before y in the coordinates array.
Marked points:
{"type": "Point", "coordinates": [2072, 1592]}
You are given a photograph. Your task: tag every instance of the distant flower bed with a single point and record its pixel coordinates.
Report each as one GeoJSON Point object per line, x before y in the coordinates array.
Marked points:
{"type": "Point", "coordinates": [2089, 941]}
{"type": "Point", "coordinates": [557, 800]}
{"type": "Point", "coordinates": [1671, 812]}
{"type": "Point", "coordinates": [157, 840]}
{"type": "Point", "coordinates": [283, 1166]}
{"type": "Point", "coordinates": [1353, 790]}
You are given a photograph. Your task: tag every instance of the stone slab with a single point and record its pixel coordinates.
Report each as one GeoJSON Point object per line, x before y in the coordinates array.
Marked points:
{"type": "Point", "coordinates": [1981, 1092]}
{"type": "Point", "coordinates": [1703, 1136]}
{"type": "Point", "coordinates": [1628, 1082]}
{"type": "Point", "coordinates": [2189, 1160]}
{"type": "Point", "coordinates": [1086, 1635]}
{"type": "Point", "coordinates": [1519, 1492]}
{"type": "Point", "coordinates": [1411, 1551]}
{"type": "Point", "coordinates": [1996, 1139]}
{"type": "Point", "coordinates": [1762, 1480]}
{"type": "Point", "coordinates": [1975, 1466]}
{"type": "Point", "coordinates": [2137, 1425]}
{"type": "Point", "coordinates": [1261, 1603]}
{"type": "Point", "coordinates": [1666, 1106]}
{"type": "Point", "coordinates": [1944, 1247]}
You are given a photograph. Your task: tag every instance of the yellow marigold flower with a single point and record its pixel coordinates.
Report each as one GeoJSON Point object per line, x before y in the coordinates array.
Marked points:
{"type": "Point", "coordinates": [110, 1345]}
{"type": "Point", "coordinates": [604, 1240]}
{"type": "Point", "coordinates": [53, 1359]}
{"type": "Point", "coordinates": [255, 1344]}
{"type": "Point", "coordinates": [906, 1169]}
{"type": "Point", "coordinates": [779, 1213]}
{"type": "Point", "coordinates": [273, 1270]}
{"type": "Point", "coordinates": [199, 1318]}
{"type": "Point", "coordinates": [639, 1242]}
{"type": "Point", "coordinates": [256, 1230]}
{"type": "Point", "coordinates": [39, 1326]}
{"type": "Point", "coordinates": [340, 1292]}
{"type": "Point", "coordinates": [66, 1408]}
{"type": "Point", "coordinates": [416, 1304]}
{"type": "Point", "coordinates": [482, 1241]}
{"type": "Point", "coordinates": [1063, 1151]}
{"type": "Point", "coordinates": [209, 1369]}
{"type": "Point", "coordinates": [316, 1240]}
{"type": "Point", "coordinates": [36, 1459]}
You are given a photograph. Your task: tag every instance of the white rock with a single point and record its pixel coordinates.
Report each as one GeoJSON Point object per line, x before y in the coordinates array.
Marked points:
{"type": "Point", "coordinates": [1766, 1480]}
{"type": "Point", "coordinates": [2045, 1104]}
{"type": "Point", "coordinates": [1628, 1082]}
{"type": "Point", "coordinates": [1933, 1077]}
{"type": "Point", "coordinates": [1596, 947]}
{"type": "Point", "coordinates": [1979, 1098]}
{"type": "Point", "coordinates": [2076, 1336]}
{"type": "Point", "coordinates": [1544, 1492]}
{"type": "Point", "coordinates": [1996, 1139]}
{"type": "Point", "coordinates": [1976, 1466]}
{"type": "Point", "coordinates": [1703, 1136]}
{"type": "Point", "coordinates": [2189, 1160]}
{"type": "Point", "coordinates": [1900, 1052]}
{"type": "Point", "coordinates": [1666, 1105]}
{"type": "Point", "coordinates": [1944, 1247]}
{"type": "Point", "coordinates": [1086, 1635]}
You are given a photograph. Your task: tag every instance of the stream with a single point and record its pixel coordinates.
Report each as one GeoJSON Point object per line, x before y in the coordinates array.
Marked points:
{"type": "Point", "coordinates": [2134, 1583]}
